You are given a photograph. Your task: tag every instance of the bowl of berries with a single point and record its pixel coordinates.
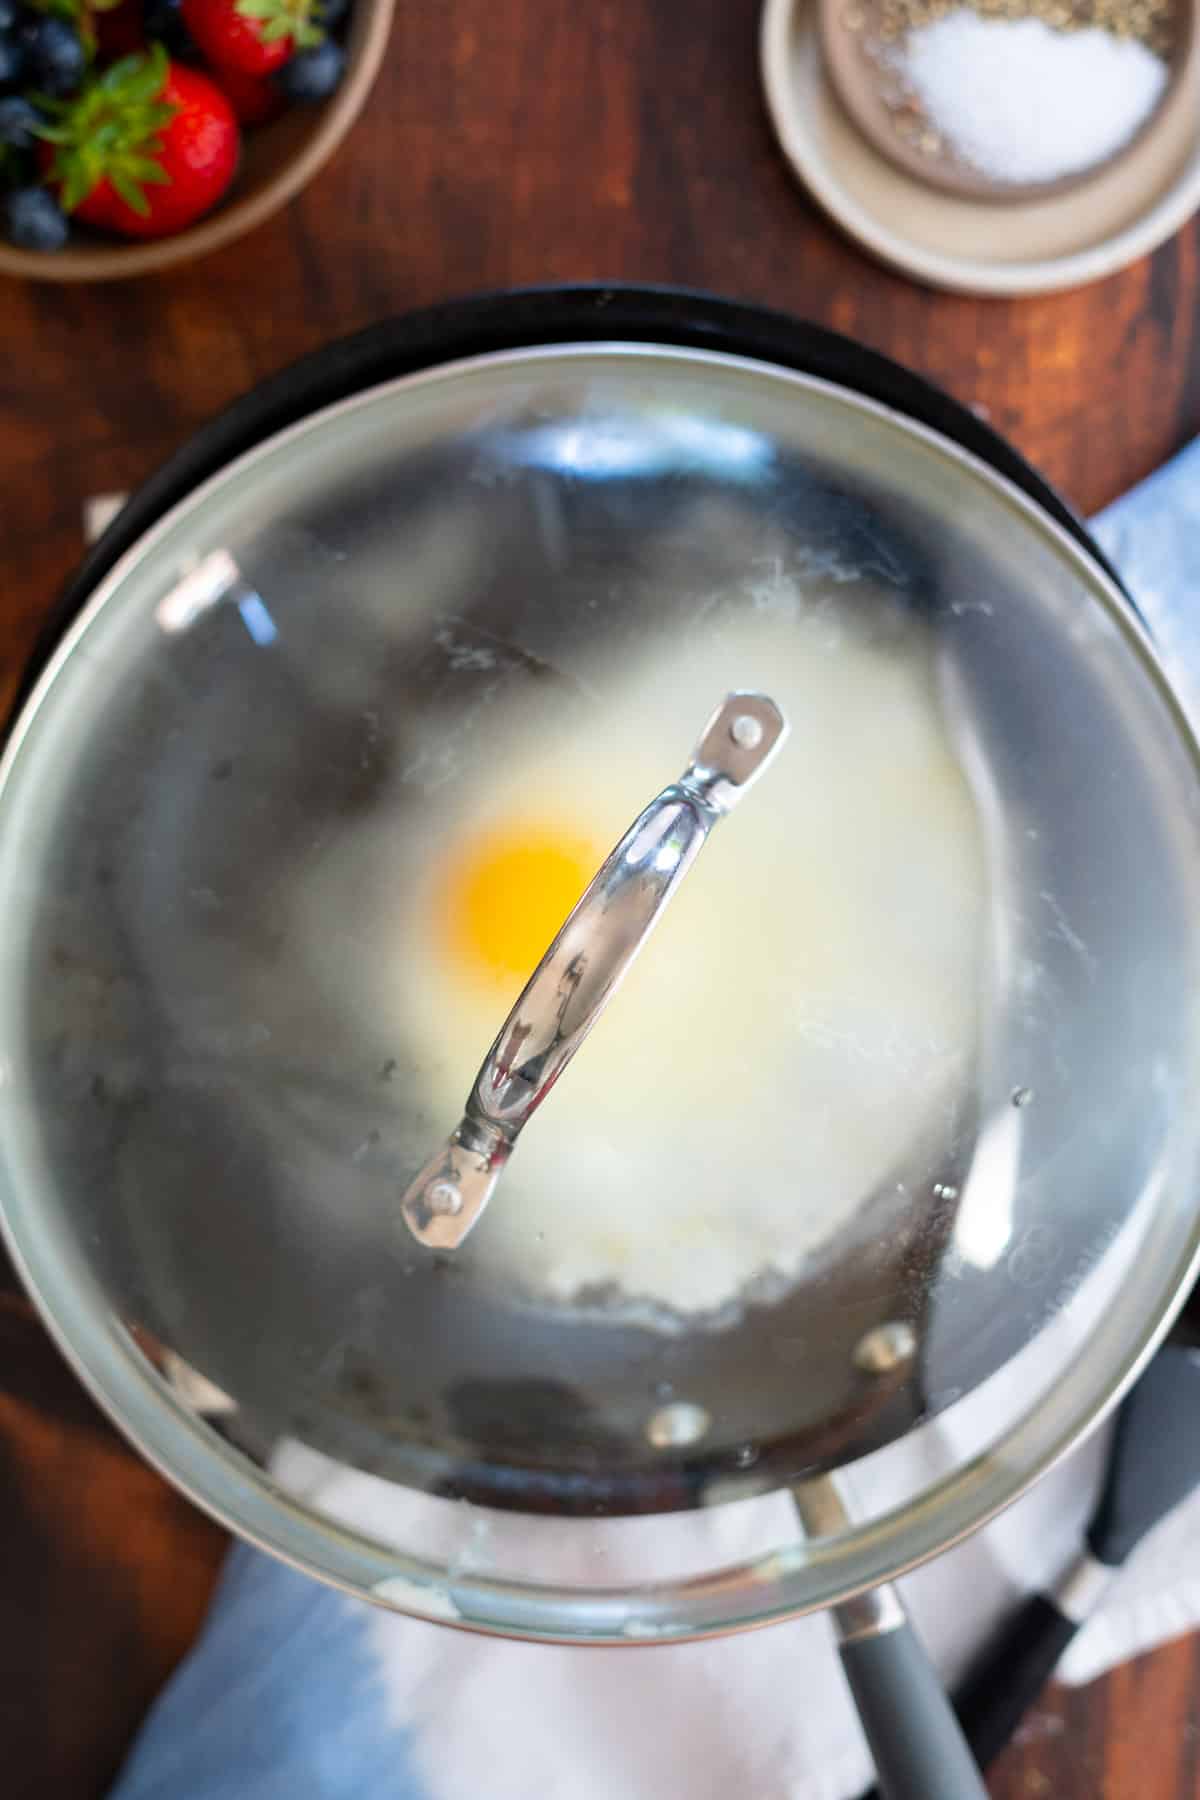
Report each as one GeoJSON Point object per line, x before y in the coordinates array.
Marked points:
{"type": "Point", "coordinates": [135, 134]}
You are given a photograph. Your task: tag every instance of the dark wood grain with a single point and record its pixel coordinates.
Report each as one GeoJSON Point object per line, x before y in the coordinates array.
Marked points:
{"type": "Point", "coordinates": [105, 1573]}
{"type": "Point", "coordinates": [509, 141]}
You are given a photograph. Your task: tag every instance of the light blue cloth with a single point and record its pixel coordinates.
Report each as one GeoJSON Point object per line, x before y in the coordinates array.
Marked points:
{"type": "Point", "coordinates": [286, 1694]}
{"type": "Point", "coordinates": [1152, 535]}
{"type": "Point", "coordinates": [280, 1699]}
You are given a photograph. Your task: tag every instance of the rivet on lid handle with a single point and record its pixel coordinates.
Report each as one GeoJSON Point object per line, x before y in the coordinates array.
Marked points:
{"type": "Point", "coordinates": [585, 964]}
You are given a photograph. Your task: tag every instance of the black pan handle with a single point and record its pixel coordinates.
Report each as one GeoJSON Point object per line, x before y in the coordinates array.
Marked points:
{"type": "Point", "coordinates": [916, 1742]}
{"type": "Point", "coordinates": [995, 1698]}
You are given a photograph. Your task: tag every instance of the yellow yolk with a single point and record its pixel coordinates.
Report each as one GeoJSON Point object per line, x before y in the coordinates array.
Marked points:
{"type": "Point", "coordinates": [501, 901]}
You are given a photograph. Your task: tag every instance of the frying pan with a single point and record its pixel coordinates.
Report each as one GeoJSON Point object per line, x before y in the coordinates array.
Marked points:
{"type": "Point", "coordinates": [202, 1164]}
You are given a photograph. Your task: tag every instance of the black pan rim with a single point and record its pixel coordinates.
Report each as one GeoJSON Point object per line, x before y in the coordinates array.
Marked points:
{"type": "Point", "coordinates": [521, 318]}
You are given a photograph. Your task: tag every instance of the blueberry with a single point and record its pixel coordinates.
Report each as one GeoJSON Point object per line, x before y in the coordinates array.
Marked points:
{"type": "Point", "coordinates": [326, 12]}
{"type": "Point", "coordinates": [13, 62]}
{"type": "Point", "coordinates": [57, 58]}
{"type": "Point", "coordinates": [10, 12]}
{"type": "Point", "coordinates": [33, 219]}
{"type": "Point", "coordinates": [312, 74]}
{"type": "Point", "coordinates": [18, 123]}
{"type": "Point", "coordinates": [163, 21]}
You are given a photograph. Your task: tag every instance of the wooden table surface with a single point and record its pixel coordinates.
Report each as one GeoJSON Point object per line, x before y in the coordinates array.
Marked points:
{"type": "Point", "coordinates": [508, 142]}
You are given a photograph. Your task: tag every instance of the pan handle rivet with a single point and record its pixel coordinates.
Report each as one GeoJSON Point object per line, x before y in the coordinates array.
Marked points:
{"type": "Point", "coordinates": [746, 731]}
{"type": "Point", "coordinates": [444, 1198]}
{"type": "Point", "coordinates": [885, 1348]}
{"type": "Point", "coordinates": [674, 1427]}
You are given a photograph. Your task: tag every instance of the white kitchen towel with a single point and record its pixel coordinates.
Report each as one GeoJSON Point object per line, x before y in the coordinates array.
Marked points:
{"type": "Point", "coordinates": [294, 1689]}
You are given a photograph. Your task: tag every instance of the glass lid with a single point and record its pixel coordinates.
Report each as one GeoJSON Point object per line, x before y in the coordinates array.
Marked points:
{"type": "Point", "coordinates": [881, 1159]}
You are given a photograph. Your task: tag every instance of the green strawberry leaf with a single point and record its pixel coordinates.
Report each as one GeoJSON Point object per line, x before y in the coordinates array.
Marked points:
{"type": "Point", "coordinates": [278, 19]}
{"type": "Point", "coordinates": [77, 185]}
{"type": "Point", "coordinates": [112, 131]}
{"type": "Point", "coordinates": [148, 172]}
{"type": "Point", "coordinates": [129, 191]}
{"type": "Point", "coordinates": [137, 78]}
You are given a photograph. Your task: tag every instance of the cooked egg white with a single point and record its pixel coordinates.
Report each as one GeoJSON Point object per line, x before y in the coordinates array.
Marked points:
{"type": "Point", "coordinates": [803, 1016]}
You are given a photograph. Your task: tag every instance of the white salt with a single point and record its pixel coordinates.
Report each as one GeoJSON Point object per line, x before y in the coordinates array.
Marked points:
{"type": "Point", "coordinates": [1023, 103]}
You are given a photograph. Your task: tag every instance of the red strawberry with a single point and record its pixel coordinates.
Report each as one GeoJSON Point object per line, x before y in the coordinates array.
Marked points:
{"type": "Point", "coordinates": [145, 149]}
{"type": "Point", "coordinates": [254, 98]}
{"type": "Point", "coordinates": [253, 36]}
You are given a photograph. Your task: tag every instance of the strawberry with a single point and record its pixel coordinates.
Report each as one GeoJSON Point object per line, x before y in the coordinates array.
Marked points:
{"type": "Point", "coordinates": [144, 150]}
{"type": "Point", "coordinates": [254, 98]}
{"type": "Point", "coordinates": [252, 36]}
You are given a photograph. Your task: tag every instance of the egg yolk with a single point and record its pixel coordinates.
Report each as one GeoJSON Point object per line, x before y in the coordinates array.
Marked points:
{"type": "Point", "coordinates": [502, 901]}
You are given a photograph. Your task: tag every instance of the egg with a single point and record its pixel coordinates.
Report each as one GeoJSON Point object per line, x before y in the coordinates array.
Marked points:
{"type": "Point", "coordinates": [501, 899]}
{"type": "Point", "coordinates": [804, 1014]}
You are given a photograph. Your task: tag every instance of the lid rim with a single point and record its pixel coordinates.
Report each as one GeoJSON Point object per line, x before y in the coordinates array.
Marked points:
{"type": "Point", "coordinates": [511, 319]}
{"type": "Point", "coordinates": [1071, 545]}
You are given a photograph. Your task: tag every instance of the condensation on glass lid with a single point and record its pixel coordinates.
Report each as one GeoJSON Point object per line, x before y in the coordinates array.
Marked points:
{"type": "Point", "coordinates": [805, 1012]}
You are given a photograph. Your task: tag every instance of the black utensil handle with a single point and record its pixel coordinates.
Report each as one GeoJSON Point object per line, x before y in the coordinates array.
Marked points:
{"type": "Point", "coordinates": [996, 1696]}
{"type": "Point", "coordinates": [917, 1745]}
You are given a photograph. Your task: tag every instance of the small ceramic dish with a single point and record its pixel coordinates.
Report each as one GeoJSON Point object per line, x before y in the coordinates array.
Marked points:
{"type": "Point", "coordinates": [878, 101]}
{"type": "Point", "coordinates": [1120, 213]}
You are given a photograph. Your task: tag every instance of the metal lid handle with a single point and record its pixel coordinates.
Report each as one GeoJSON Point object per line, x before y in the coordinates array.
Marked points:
{"type": "Point", "coordinates": [584, 966]}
